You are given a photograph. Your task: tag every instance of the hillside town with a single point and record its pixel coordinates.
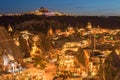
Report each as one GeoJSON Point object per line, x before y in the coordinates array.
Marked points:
{"type": "Point", "coordinates": [68, 54]}
{"type": "Point", "coordinates": [39, 12]}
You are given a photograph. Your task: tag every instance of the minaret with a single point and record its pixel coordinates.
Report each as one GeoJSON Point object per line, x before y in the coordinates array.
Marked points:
{"type": "Point", "coordinates": [50, 32]}
{"type": "Point", "coordinates": [89, 25]}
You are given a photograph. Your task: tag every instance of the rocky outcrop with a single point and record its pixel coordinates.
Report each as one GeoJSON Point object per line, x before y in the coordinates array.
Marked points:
{"type": "Point", "coordinates": [8, 47]}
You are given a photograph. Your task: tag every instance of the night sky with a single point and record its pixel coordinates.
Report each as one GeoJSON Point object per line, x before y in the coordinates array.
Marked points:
{"type": "Point", "coordinates": [79, 7]}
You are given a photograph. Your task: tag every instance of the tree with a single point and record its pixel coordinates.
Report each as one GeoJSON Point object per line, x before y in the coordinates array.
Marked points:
{"type": "Point", "coordinates": [24, 47]}
{"type": "Point", "coordinates": [81, 57]}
